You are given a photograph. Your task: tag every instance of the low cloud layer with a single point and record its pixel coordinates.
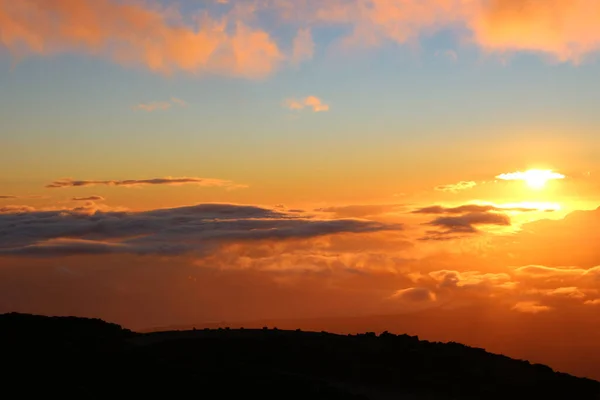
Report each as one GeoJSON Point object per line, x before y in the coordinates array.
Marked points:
{"type": "Point", "coordinates": [232, 262]}
{"type": "Point", "coordinates": [68, 182]}
{"type": "Point", "coordinates": [168, 231]}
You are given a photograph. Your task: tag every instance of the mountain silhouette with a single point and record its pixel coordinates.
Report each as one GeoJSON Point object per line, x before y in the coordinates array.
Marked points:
{"type": "Point", "coordinates": [89, 358]}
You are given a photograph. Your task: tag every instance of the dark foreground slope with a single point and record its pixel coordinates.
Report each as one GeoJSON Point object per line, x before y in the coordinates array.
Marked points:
{"type": "Point", "coordinates": [90, 358]}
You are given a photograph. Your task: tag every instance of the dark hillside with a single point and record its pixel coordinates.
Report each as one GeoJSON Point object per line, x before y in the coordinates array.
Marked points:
{"type": "Point", "coordinates": [91, 358]}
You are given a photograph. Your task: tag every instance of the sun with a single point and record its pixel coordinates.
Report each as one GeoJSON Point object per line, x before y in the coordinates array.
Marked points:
{"type": "Point", "coordinates": [534, 178]}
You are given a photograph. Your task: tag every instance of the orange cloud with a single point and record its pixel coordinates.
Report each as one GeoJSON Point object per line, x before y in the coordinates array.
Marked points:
{"type": "Point", "coordinates": [137, 33]}
{"type": "Point", "coordinates": [155, 106]}
{"type": "Point", "coordinates": [313, 102]}
{"type": "Point", "coordinates": [565, 29]}
{"type": "Point", "coordinates": [456, 187]}
{"type": "Point", "coordinates": [571, 292]}
{"type": "Point", "coordinates": [530, 307]}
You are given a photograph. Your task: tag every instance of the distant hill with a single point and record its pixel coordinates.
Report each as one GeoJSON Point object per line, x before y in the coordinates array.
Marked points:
{"type": "Point", "coordinates": [89, 358]}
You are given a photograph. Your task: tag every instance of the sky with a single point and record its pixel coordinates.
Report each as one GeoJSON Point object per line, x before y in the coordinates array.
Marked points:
{"type": "Point", "coordinates": [178, 162]}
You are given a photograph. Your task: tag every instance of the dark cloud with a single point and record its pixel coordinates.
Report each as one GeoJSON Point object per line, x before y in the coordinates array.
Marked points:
{"type": "Point", "coordinates": [470, 208]}
{"type": "Point", "coordinates": [465, 224]}
{"type": "Point", "coordinates": [417, 294]}
{"type": "Point", "coordinates": [11, 197]}
{"type": "Point", "coordinates": [165, 231]}
{"type": "Point", "coordinates": [67, 182]}
{"type": "Point", "coordinates": [90, 198]}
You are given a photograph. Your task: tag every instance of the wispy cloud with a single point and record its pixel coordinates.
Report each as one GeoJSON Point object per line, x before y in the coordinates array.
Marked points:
{"type": "Point", "coordinates": [178, 101]}
{"type": "Point", "coordinates": [90, 198]}
{"type": "Point", "coordinates": [361, 210]}
{"type": "Point", "coordinates": [12, 197]}
{"type": "Point", "coordinates": [531, 175]}
{"type": "Point", "coordinates": [473, 208]}
{"type": "Point", "coordinates": [68, 182]}
{"type": "Point", "coordinates": [312, 102]}
{"type": "Point", "coordinates": [565, 29]}
{"type": "Point", "coordinates": [530, 307]}
{"type": "Point", "coordinates": [304, 46]}
{"type": "Point", "coordinates": [160, 105]}
{"type": "Point", "coordinates": [154, 106]}
{"type": "Point", "coordinates": [456, 187]}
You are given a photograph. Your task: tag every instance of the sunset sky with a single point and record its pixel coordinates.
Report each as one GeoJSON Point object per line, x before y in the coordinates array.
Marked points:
{"type": "Point", "coordinates": [176, 162]}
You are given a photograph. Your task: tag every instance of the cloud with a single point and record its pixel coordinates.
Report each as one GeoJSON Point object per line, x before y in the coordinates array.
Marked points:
{"type": "Point", "coordinates": [160, 105]}
{"type": "Point", "coordinates": [450, 55]}
{"type": "Point", "coordinates": [565, 29]}
{"type": "Point", "coordinates": [360, 211]}
{"type": "Point", "coordinates": [456, 187]}
{"type": "Point", "coordinates": [149, 107]}
{"type": "Point", "coordinates": [178, 101]}
{"type": "Point", "coordinates": [469, 208]}
{"type": "Point", "coordinates": [574, 275]}
{"type": "Point", "coordinates": [227, 262]}
{"type": "Point", "coordinates": [533, 176]}
{"type": "Point", "coordinates": [67, 182]}
{"type": "Point", "coordinates": [168, 38]}
{"type": "Point", "coordinates": [16, 209]}
{"type": "Point", "coordinates": [304, 46]}
{"type": "Point", "coordinates": [415, 295]}
{"type": "Point", "coordinates": [543, 271]}
{"type": "Point", "coordinates": [165, 231]}
{"type": "Point", "coordinates": [466, 224]}
{"type": "Point", "coordinates": [11, 197]}
{"type": "Point", "coordinates": [454, 279]}
{"type": "Point", "coordinates": [572, 292]}
{"type": "Point", "coordinates": [90, 198]}
{"type": "Point", "coordinates": [139, 33]}
{"type": "Point", "coordinates": [312, 102]}
{"type": "Point", "coordinates": [530, 307]}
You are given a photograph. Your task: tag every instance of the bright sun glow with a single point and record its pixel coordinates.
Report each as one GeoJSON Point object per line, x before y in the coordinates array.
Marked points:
{"type": "Point", "coordinates": [534, 178]}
